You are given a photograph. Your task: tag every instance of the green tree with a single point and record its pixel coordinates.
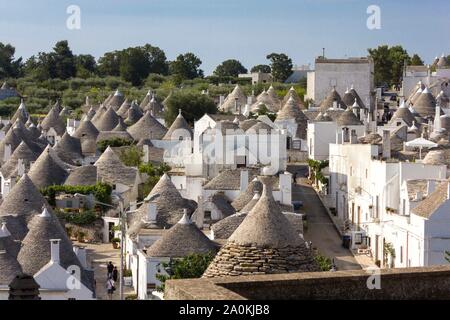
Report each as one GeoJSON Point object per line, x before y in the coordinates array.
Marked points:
{"type": "Point", "coordinates": [109, 64]}
{"type": "Point", "coordinates": [447, 256]}
{"type": "Point", "coordinates": [9, 67]}
{"type": "Point", "coordinates": [85, 65]}
{"type": "Point", "coordinates": [416, 60]}
{"type": "Point", "coordinates": [389, 63]}
{"type": "Point", "coordinates": [193, 106]}
{"type": "Point", "coordinates": [157, 60]}
{"type": "Point", "coordinates": [186, 66]}
{"type": "Point", "coordinates": [191, 266]}
{"type": "Point", "coordinates": [63, 60]}
{"type": "Point", "coordinates": [134, 65]}
{"type": "Point", "coordinates": [230, 68]}
{"type": "Point", "coordinates": [264, 68]}
{"type": "Point", "coordinates": [131, 156]}
{"type": "Point", "coordinates": [281, 66]}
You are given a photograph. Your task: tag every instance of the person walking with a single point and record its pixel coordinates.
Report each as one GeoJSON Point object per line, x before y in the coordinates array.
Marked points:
{"type": "Point", "coordinates": [110, 287]}
{"type": "Point", "coordinates": [110, 268]}
{"type": "Point", "coordinates": [115, 274]}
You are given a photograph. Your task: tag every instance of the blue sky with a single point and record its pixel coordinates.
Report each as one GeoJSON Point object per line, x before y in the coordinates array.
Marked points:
{"type": "Point", "coordinates": [216, 30]}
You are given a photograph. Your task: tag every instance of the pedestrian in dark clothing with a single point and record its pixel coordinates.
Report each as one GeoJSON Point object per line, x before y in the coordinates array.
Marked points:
{"type": "Point", "coordinates": [110, 268]}
{"type": "Point", "coordinates": [115, 274]}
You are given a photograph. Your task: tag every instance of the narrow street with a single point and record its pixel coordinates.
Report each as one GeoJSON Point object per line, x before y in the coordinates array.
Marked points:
{"type": "Point", "coordinates": [98, 256]}
{"type": "Point", "coordinates": [320, 231]}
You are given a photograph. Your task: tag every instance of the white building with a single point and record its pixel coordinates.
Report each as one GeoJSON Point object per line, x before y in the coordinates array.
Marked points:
{"type": "Point", "coordinates": [367, 188]}
{"type": "Point", "coordinates": [341, 74]}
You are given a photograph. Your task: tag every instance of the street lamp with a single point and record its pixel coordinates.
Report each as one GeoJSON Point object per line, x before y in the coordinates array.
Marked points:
{"type": "Point", "coordinates": [122, 214]}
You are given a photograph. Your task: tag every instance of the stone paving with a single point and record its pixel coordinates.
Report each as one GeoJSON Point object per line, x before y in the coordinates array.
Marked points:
{"type": "Point", "coordinates": [321, 230]}
{"type": "Point", "coordinates": [98, 256]}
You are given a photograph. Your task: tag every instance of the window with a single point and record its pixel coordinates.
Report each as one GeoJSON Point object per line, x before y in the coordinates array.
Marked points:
{"type": "Point", "coordinates": [69, 204]}
{"type": "Point", "coordinates": [207, 217]}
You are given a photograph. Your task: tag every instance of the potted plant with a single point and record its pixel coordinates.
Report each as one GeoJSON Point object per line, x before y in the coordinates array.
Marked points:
{"type": "Point", "coordinates": [115, 243]}
{"type": "Point", "coordinates": [127, 277]}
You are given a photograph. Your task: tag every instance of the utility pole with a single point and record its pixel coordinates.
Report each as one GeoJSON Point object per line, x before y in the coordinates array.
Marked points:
{"type": "Point", "coordinates": [122, 245]}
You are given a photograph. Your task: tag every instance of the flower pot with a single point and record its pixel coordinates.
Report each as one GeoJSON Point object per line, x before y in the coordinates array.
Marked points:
{"type": "Point", "coordinates": [115, 245]}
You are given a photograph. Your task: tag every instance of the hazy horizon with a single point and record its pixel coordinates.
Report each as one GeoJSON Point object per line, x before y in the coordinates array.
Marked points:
{"type": "Point", "coordinates": [243, 30]}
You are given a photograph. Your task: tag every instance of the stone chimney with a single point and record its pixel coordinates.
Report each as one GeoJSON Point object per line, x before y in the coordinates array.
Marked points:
{"type": "Point", "coordinates": [285, 182]}
{"type": "Point", "coordinates": [7, 153]}
{"type": "Point", "coordinates": [335, 105]}
{"type": "Point", "coordinates": [200, 213]}
{"type": "Point", "coordinates": [146, 153]}
{"type": "Point", "coordinates": [386, 144]}
{"type": "Point", "coordinates": [437, 119]}
{"type": "Point", "coordinates": [80, 252]}
{"type": "Point", "coordinates": [244, 180]}
{"type": "Point", "coordinates": [345, 135]}
{"type": "Point", "coordinates": [54, 250]}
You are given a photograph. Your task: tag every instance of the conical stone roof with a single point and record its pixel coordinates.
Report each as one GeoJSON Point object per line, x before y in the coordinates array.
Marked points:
{"type": "Point", "coordinates": [425, 105]}
{"type": "Point", "coordinates": [236, 95]}
{"type": "Point", "coordinates": [403, 113]}
{"type": "Point", "coordinates": [53, 120]}
{"type": "Point", "coordinates": [328, 102]}
{"type": "Point", "coordinates": [22, 152]}
{"type": "Point", "coordinates": [123, 110]}
{"type": "Point", "coordinates": [170, 206]}
{"type": "Point", "coordinates": [147, 127]}
{"type": "Point", "coordinates": [348, 118]}
{"type": "Point", "coordinates": [47, 171]}
{"type": "Point", "coordinates": [267, 239]}
{"type": "Point", "coordinates": [255, 186]}
{"type": "Point", "coordinates": [21, 113]}
{"type": "Point", "coordinates": [146, 99]}
{"type": "Point", "coordinates": [23, 199]}
{"type": "Point", "coordinates": [116, 100]}
{"type": "Point", "coordinates": [68, 148]}
{"type": "Point", "coordinates": [293, 94]}
{"type": "Point", "coordinates": [107, 121]}
{"type": "Point", "coordinates": [134, 114]}
{"type": "Point", "coordinates": [182, 239]}
{"type": "Point", "coordinates": [179, 128]}
{"type": "Point", "coordinates": [86, 130]}
{"type": "Point", "coordinates": [35, 252]}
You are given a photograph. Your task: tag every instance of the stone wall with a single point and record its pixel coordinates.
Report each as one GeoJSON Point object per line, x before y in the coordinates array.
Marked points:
{"type": "Point", "coordinates": [235, 260]}
{"type": "Point", "coordinates": [405, 283]}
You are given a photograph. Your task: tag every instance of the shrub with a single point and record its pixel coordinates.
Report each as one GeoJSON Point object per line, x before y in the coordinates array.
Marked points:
{"type": "Point", "coordinates": [131, 156]}
{"type": "Point", "coordinates": [325, 263]}
{"type": "Point", "coordinates": [191, 266]}
{"type": "Point", "coordinates": [115, 142]}
{"type": "Point", "coordinates": [100, 190]}
{"type": "Point", "coordinates": [78, 218]}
